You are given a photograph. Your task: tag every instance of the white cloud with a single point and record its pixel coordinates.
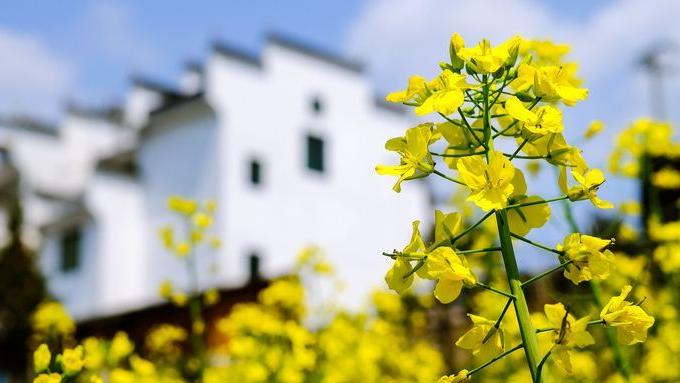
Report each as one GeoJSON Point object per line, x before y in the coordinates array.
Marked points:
{"type": "Point", "coordinates": [33, 79]}
{"type": "Point", "coordinates": [114, 33]}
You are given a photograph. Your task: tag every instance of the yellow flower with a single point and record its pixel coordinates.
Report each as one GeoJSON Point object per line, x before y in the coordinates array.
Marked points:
{"type": "Point", "coordinates": [415, 92]}
{"type": "Point", "coordinates": [483, 58]}
{"type": "Point", "coordinates": [446, 226]}
{"type": "Point", "coordinates": [167, 237]}
{"type": "Point", "coordinates": [451, 272]}
{"type": "Point", "coordinates": [52, 316]}
{"type": "Point", "coordinates": [202, 220]}
{"type": "Point", "coordinates": [94, 353]}
{"type": "Point", "coordinates": [589, 258]}
{"type": "Point", "coordinates": [182, 205]}
{"type": "Point", "coordinates": [544, 51]}
{"type": "Point", "coordinates": [165, 289]}
{"type": "Point", "coordinates": [546, 119]}
{"type": "Point", "coordinates": [558, 83]}
{"type": "Point", "coordinates": [666, 178]}
{"type": "Point", "coordinates": [525, 218]}
{"type": "Point", "coordinates": [182, 249]}
{"type": "Point", "coordinates": [399, 277]}
{"type": "Point", "coordinates": [41, 358]}
{"type": "Point", "coordinates": [630, 321]}
{"type": "Point", "coordinates": [179, 299]}
{"type": "Point", "coordinates": [594, 128]}
{"type": "Point", "coordinates": [48, 378]}
{"type": "Point", "coordinates": [484, 339]}
{"type": "Point", "coordinates": [555, 149]}
{"type": "Point", "coordinates": [121, 347]}
{"type": "Point", "coordinates": [447, 94]}
{"type": "Point", "coordinates": [72, 360]}
{"type": "Point", "coordinates": [211, 296]}
{"type": "Point", "coordinates": [630, 208]}
{"type": "Point", "coordinates": [589, 182]}
{"type": "Point", "coordinates": [413, 148]}
{"type": "Point", "coordinates": [569, 332]}
{"type": "Point", "coordinates": [119, 375]}
{"type": "Point", "coordinates": [461, 376]}
{"type": "Point", "coordinates": [490, 183]}
{"type": "Point", "coordinates": [668, 256]}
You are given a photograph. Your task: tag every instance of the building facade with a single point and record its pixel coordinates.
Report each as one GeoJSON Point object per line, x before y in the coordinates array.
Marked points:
{"type": "Point", "coordinates": [285, 142]}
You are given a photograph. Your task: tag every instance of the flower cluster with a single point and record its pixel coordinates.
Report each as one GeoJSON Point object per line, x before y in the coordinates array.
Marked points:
{"type": "Point", "coordinates": [490, 98]}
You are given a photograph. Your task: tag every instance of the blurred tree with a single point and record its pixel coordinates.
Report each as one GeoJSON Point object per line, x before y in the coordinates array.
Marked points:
{"type": "Point", "coordinates": [22, 288]}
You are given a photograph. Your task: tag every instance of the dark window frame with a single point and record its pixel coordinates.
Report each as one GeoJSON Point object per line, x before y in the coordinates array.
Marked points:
{"type": "Point", "coordinates": [70, 250]}
{"type": "Point", "coordinates": [315, 153]}
{"type": "Point", "coordinates": [255, 172]}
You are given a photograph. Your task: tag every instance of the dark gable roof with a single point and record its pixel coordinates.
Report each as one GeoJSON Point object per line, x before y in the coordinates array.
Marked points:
{"type": "Point", "coordinates": [237, 54]}
{"type": "Point", "coordinates": [249, 58]}
{"type": "Point", "coordinates": [112, 114]}
{"type": "Point", "coordinates": [30, 124]}
{"type": "Point", "coordinates": [123, 162]}
{"type": "Point", "coordinates": [380, 103]}
{"type": "Point", "coordinates": [309, 50]}
{"type": "Point", "coordinates": [168, 93]}
{"type": "Point", "coordinates": [181, 100]}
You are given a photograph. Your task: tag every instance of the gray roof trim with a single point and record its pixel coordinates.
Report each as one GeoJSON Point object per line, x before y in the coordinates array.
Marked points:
{"type": "Point", "coordinates": [312, 51]}
{"type": "Point", "coordinates": [237, 54]}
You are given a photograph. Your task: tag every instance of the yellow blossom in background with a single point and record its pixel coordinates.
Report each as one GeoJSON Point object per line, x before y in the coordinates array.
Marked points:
{"type": "Point", "coordinates": [668, 256]}
{"type": "Point", "coordinates": [165, 289]}
{"type": "Point", "coordinates": [630, 321]}
{"type": "Point", "coordinates": [167, 237]}
{"type": "Point", "coordinates": [490, 184]}
{"type": "Point", "coordinates": [594, 128]}
{"type": "Point", "coordinates": [94, 353]}
{"type": "Point", "coordinates": [41, 358]}
{"type": "Point", "coordinates": [52, 316]}
{"type": "Point", "coordinates": [544, 51]}
{"type": "Point", "coordinates": [211, 296]}
{"type": "Point", "coordinates": [630, 208]}
{"type": "Point", "coordinates": [47, 378]}
{"type": "Point", "coordinates": [179, 299]}
{"type": "Point", "coordinates": [182, 205]}
{"type": "Point", "coordinates": [202, 220]}
{"type": "Point", "coordinates": [484, 339]}
{"type": "Point", "coordinates": [416, 160]}
{"type": "Point", "coordinates": [588, 256]}
{"type": "Point", "coordinates": [72, 360]}
{"type": "Point", "coordinates": [182, 249]}
{"type": "Point", "coordinates": [165, 340]}
{"type": "Point", "coordinates": [666, 178]}
{"type": "Point", "coordinates": [121, 346]}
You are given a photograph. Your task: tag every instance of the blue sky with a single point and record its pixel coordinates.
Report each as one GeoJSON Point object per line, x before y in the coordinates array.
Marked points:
{"type": "Point", "coordinates": [101, 43]}
{"type": "Point", "coordinates": [86, 51]}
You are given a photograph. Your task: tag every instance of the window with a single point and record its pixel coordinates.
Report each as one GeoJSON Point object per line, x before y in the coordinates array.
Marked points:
{"type": "Point", "coordinates": [254, 267]}
{"type": "Point", "coordinates": [70, 250]}
{"type": "Point", "coordinates": [315, 153]}
{"type": "Point", "coordinates": [255, 170]}
{"type": "Point", "coordinates": [317, 106]}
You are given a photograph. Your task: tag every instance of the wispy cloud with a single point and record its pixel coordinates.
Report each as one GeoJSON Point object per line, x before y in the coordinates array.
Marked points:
{"type": "Point", "coordinates": [33, 79]}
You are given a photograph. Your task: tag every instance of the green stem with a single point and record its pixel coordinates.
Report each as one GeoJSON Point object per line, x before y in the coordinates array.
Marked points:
{"type": "Point", "coordinates": [520, 205]}
{"type": "Point", "coordinates": [498, 321]}
{"type": "Point", "coordinates": [437, 172]}
{"type": "Point", "coordinates": [495, 290]}
{"type": "Point", "coordinates": [539, 245]}
{"type": "Point", "coordinates": [547, 272]}
{"type": "Point", "coordinates": [495, 358]}
{"type": "Point", "coordinates": [526, 328]}
{"type": "Point", "coordinates": [476, 251]}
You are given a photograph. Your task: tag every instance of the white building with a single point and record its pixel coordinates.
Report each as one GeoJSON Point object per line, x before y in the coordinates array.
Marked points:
{"type": "Point", "coordinates": [285, 142]}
